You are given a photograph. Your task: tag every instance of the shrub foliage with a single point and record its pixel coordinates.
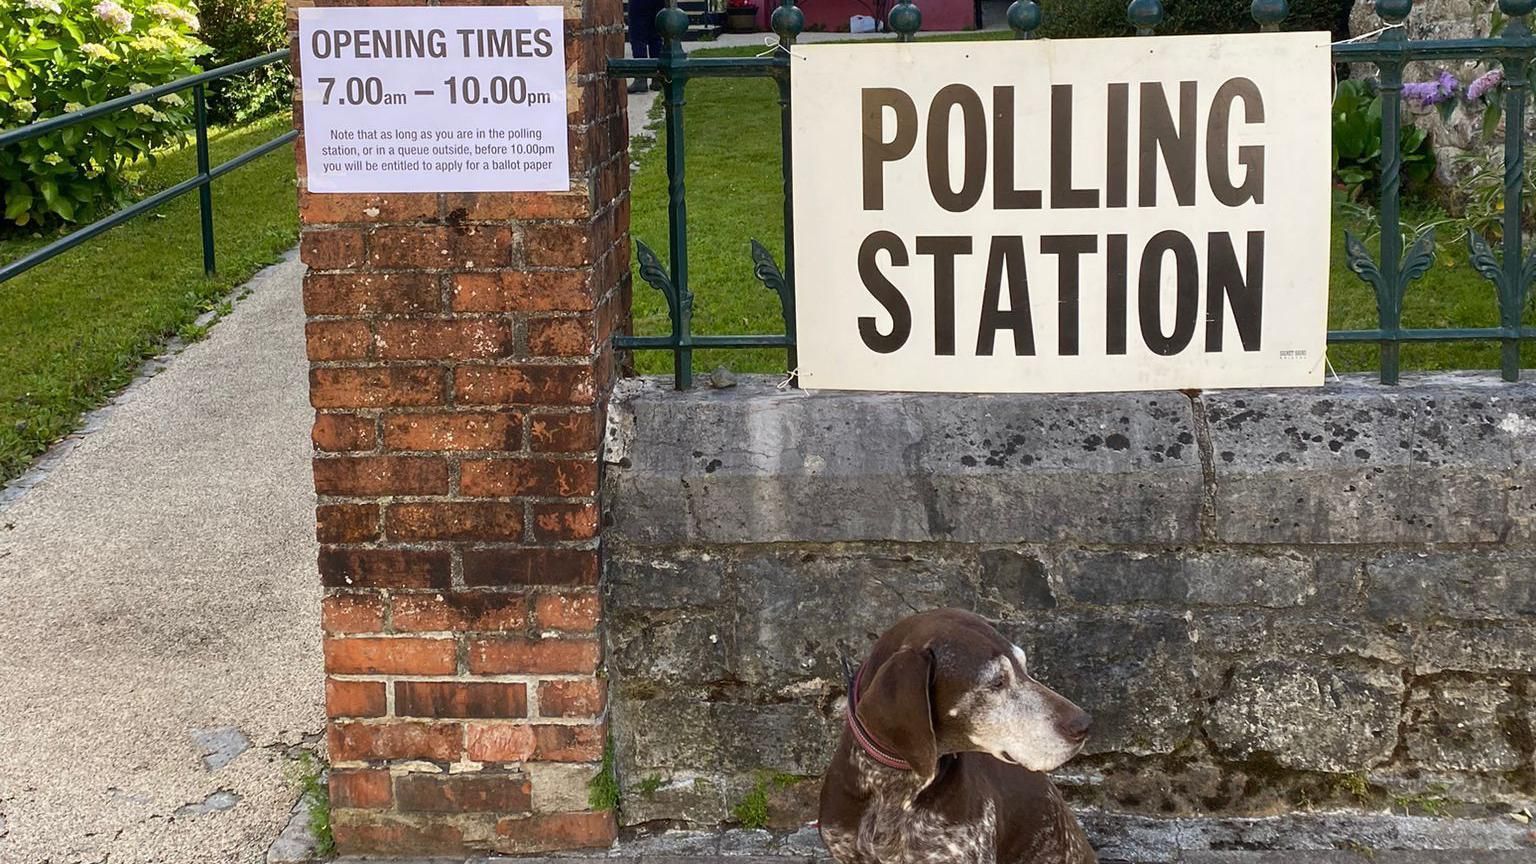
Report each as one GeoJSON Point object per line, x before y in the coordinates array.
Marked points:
{"type": "Point", "coordinates": [239, 30]}
{"type": "Point", "coordinates": [58, 56]}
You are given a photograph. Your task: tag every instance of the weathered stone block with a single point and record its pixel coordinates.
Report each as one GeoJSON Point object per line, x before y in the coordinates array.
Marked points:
{"type": "Point", "coordinates": [1308, 718]}
{"type": "Point", "coordinates": [753, 464]}
{"type": "Point", "coordinates": [642, 578]}
{"type": "Point", "coordinates": [1244, 633]}
{"type": "Point", "coordinates": [680, 648]}
{"type": "Point", "coordinates": [1185, 578]}
{"type": "Point", "coordinates": [1467, 585]}
{"type": "Point", "coordinates": [1137, 673]}
{"type": "Point", "coordinates": [1461, 726]}
{"type": "Point", "coordinates": [1371, 464]}
{"type": "Point", "coordinates": [692, 735]}
{"type": "Point", "coordinates": [1475, 647]}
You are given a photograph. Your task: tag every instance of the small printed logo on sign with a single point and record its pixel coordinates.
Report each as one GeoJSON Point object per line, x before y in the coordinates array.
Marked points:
{"type": "Point", "coordinates": [434, 99]}
{"type": "Point", "coordinates": [1076, 215]}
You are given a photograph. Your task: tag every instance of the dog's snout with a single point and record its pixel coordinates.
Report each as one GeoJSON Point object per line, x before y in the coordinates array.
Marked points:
{"type": "Point", "coordinates": [1076, 728]}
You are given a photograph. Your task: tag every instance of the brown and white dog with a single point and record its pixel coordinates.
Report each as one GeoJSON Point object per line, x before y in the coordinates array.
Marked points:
{"type": "Point", "coordinates": [942, 756]}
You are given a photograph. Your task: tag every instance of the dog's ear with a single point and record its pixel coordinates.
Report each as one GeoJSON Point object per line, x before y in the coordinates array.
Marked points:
{"type": "Point", "coordinates": [897, 708]}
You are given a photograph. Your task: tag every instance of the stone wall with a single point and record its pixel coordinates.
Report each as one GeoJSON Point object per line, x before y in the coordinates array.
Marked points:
{"type": "Point", "coordinates": [1271, 601]}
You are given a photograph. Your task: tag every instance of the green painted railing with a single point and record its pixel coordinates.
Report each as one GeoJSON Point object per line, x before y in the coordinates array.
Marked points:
{"type": "Point", "coordinates": [1511, 271]}
{"type": "Point", "coordinates": [202, 181]}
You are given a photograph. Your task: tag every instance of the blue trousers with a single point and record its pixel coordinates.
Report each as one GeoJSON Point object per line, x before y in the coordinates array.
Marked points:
{"type": "Point", "coordinates": [644, 38]}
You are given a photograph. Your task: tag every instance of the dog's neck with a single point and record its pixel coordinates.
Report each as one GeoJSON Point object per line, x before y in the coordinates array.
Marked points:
{"type": "Point", "coordinates": [872, 746]}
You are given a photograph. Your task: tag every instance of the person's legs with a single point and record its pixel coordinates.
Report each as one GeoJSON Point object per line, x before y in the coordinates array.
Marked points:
{"type": "Point", "coordinates": [642, 27]}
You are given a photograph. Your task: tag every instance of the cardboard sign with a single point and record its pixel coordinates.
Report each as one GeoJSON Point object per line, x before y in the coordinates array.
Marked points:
{"type": "Point", "coordinates": [434, 99]}
{"type": "Point", "coordinates": [1063, 216]}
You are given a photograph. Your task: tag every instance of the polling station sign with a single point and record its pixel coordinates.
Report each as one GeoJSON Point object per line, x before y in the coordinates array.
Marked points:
{"type": "Point", "coordinates": [1062, 216]}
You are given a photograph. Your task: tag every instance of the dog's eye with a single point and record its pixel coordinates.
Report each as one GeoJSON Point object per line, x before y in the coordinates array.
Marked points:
{"type": "Point", "coordinates": [1000, 682]}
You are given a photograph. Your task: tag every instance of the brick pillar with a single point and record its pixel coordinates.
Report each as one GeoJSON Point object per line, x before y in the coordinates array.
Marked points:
{"type": "Point", "coordinates": [459, 367]}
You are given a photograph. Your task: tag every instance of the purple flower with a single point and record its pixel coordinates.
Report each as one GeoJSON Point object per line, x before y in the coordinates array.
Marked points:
{"type": "Point", "coordinates": [1430, 93]}
{"type": "Point", "coordinates": [1486, 83]}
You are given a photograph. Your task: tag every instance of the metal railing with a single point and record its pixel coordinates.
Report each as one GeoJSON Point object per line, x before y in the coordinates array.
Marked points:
{"type": "Point", "coordinates": [201, 181]}
{"type": "Point", "coordinates": [1388, 273]}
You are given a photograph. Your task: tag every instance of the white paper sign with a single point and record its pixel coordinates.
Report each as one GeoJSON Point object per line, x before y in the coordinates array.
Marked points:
{"type": "Point", "coordinates": [434, 99]}
{"type": "Point", "coordinates": [1063, 215]}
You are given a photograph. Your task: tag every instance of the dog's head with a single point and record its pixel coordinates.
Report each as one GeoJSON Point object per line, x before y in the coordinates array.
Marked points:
{"type": "Point", "coordinates": [946, 681]}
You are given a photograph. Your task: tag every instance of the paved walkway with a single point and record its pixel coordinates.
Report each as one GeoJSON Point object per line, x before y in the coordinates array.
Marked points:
{"type": "Point", "coordinates": [159, 610]}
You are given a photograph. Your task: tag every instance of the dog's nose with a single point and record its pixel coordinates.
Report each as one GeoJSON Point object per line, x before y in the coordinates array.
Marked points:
{"type": "Point", "coordinates": [1076, 729]}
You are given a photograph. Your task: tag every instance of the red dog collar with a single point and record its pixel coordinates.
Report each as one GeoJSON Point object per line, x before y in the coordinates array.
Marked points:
{"type": "Point", "coordinates": [870, 744]}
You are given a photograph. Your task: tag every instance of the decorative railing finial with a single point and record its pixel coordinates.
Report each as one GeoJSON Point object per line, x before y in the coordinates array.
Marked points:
{"type": "Point", "coordinates": [1024, 18]}
{"type": "Point", "coordinates": [906, 19]}
{"type": "Point", "coordinates": [1394, 11]}
{"type": "Point", "coordinates": [1144, 15]}
{"type": "Point", "coordinates": [787, 21]}
{"type": "Point", "coordinates": [1269, 13]}
{"type": "Point", "coordinates": [672, 23]}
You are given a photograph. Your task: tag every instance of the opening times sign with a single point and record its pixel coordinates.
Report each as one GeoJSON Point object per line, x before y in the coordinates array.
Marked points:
{"type": "Point", "coordinates": [1063, 216]}
{"type": "Point", "coordinates": [434, 99]}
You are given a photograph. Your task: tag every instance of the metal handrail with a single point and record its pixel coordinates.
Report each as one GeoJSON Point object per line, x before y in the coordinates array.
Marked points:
{"type": "Point", "coordinates": [201, 181]}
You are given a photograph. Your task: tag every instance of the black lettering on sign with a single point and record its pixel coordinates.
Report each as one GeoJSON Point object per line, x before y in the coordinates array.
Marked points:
{"type": "Point", "coordinates": [886, 294]}
{"type": "Point", "coordinates": [1117, 157]}
{"type": "Point", "coordinates": [1063, 196]}
{"type": "Point", "coordinates": [1223, 280]}
{"type": "Point", "coordinates": [1217, 136]}
{"type": "Point", "coordinates": [1150, 293]}
{"type": "Point", "coordinates": [944, 250]}
{"type": "Point", "coordinates": [1007, 254]}
{"type": "Point", "coordinates": [1177, 143]}
{"type": "Point", "coordinates": [973, 120]}
{"type": "Point", "coordinates": [1115, 302]}
{"type": "Point", "coordinates": [1069, 248]}
{"type": "Point", "coordinates": [1004, 196]}
{"type": "Point", "coordinates": [877, 150]}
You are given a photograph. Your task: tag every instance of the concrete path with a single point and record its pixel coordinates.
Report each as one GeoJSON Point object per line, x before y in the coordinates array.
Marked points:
{"type": "Point", "coordinates": [159, 610]}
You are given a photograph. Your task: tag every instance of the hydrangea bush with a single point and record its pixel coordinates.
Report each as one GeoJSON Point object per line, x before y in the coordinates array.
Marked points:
{"type": "Point", "coordinates": [58, 56]}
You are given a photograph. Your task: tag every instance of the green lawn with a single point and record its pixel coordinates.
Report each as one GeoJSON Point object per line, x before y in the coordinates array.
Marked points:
{"type": "Point", "coordinates": [74, 330]}
{"type": "Point", "coordinates": [734, 195]}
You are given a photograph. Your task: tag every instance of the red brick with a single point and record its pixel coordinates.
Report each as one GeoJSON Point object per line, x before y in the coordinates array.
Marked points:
{"type": "Point", "coordinates": [515, 290]}
{"type": "Point", "coordinates": [477, 699]}
{"type": "Point", "coordinates": [380, 475]}
{"type": "Point", "coordinates": [375, 387]}
{"type": "Point", "coordinates": [463, 793]}
{"type": "Point", "coordinates": [409, 247]}
{"type": "Point", "coordinates": [568, 743]}
{"type": "Point", "coordinates": [370, 293]}
{"type": "Point", "coordinates": [556, 245]}
{"type": "Point", "coordinates": [343, 567]}
{"type": "Point", "coordinates": [483, 247]}
{"type": "Point", "coordinates": [342, 432]}
{"type": "Point", "coordinates": [550, 831]}
{"type": "Point", "coordinates": [563, 433]}
{"type": "Point", "coordinates": [368, 655]}
{"type": "Point", "coordinates": [442, 340]}
{"type": "Point", "coordinates": [497, 567]}
{"type": "Point", "coordinates": [346, 523]}
{"type": "Point", "coordinates": [532, 656]}
{"type": "Point", "coordinates": [352, 613]}
{"type": "Point", "coordinates": [354, 698]}
{"type": "Point", "coordinates": [361, 832]}
{"type": "Point", "coordinates": [502, 206]}
{"type": "Point", "coordinates": [462, 431]}
{"type": "Point", "coordinates": [571, 698]}
{"type": "Point", "coordinates": [499, 742]}
{"type": "Point", "coordinates": [367, 789]}
{"type": "Point", "coordinates": [545, 385]}
{"type": "Point", "coordinates": [315, 207]}
{"type": "Point", "coordinates": [560, 337]}
{"type": "Point", "coordinates": [331, 250]}
{"type": "Point", "coordinates": [442, 742]}
{"type": "Point", "coordinates": [576, 613]}
{"type": "Point", "coordinates": [547, 477]}
{"type": "Point", "coordinates": [337, 340]}
{"type": "Point", "coordinates": [565, 521]}
{"type": "Point", "coordinates": [460, 611]}
{"type": "Point", "coordinates": [455, 520]}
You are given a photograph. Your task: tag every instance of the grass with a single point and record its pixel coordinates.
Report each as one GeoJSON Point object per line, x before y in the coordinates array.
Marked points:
{"type": "Point", "coordinates": [74, 330]}
{"type": "Point", "coordinates": [308, 773]}
{"type": "Point", "coordinates": [603, 788]}
{"type": "Point", "coordinates": [734, 195]}
{"type": "Point", "coordinates": [752, 811]}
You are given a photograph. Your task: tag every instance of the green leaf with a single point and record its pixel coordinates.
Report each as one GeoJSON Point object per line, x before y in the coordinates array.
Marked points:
{"type": "Point", "coordinates": [49, 190]}
{"type": "Point", "coordinates": [1447, 108]}
{"type": "Point", "coordinates": [17, 202]}
{"type": "Point", "coordinates": [1491, 116]}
